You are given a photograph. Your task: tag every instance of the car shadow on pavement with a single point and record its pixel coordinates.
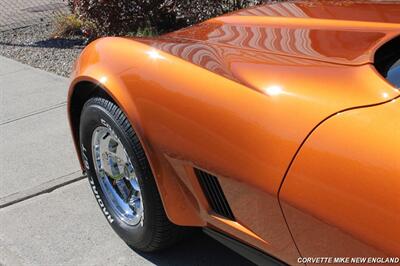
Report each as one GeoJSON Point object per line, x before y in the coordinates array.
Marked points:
{"type": "Point", "coordinates": [198, 249]}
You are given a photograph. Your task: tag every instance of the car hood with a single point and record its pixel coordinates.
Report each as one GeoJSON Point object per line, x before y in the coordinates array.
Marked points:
{"type": "Point", "coordinates": [342, 32]}
{"type": "Point", "coordinates": [295, 47]}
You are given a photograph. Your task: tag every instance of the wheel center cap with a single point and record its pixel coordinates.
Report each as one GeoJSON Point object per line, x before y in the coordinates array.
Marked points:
{"type": "Point", "coordinates": [113, 166]}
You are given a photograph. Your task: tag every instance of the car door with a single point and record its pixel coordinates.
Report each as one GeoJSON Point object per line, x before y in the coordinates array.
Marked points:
{"type": "Point", "coordinates": [341, 197]}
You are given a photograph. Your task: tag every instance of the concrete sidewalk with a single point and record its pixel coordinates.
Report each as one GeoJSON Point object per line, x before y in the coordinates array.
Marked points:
{"type": "Point", "coordinates": [35, 140]}
{"type": "Point", "coordinates": [48, 215]}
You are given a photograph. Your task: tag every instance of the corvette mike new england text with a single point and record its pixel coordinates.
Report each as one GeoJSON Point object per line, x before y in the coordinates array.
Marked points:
{"type": "Point", "coordinates": [349, 260]}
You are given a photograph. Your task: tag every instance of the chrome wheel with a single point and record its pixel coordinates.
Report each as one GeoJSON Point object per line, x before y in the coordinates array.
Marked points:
{"type": "Point", "coordinates": [117, 176]}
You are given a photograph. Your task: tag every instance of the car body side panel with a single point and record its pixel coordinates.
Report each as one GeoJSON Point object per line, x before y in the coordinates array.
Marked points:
{"type": "Point", "coordinates": [180, 125]}
{"type": "Point", "coordinates": [187, 116]}
{"type": "Point", "coordinates": [236, 96]}
{"type": "Point", "coordinates": [341, 197]}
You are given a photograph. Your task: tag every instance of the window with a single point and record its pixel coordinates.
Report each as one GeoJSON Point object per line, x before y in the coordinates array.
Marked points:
{"type": "Point", "coordinates": [387, 61]}
{"type": "Point", "coordinates": [393, 75]}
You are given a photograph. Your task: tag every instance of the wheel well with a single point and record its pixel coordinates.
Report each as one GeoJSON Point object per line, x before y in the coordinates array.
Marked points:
{"type": "Point", "coordinates": [82, 92]}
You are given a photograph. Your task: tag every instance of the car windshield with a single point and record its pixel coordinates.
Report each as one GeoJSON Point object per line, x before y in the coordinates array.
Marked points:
{"type": "Point", "coordinates": [393, 75]}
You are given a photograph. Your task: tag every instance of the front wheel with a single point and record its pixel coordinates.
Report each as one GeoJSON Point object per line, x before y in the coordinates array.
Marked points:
{"type": "Point", "coordinates": [121, 178]}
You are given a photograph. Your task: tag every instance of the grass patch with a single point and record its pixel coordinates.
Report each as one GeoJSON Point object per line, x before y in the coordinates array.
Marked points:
{"type": "Point", "coordinates": [71, 25]}
{"type": "Point", "coordinates": [67, 25]}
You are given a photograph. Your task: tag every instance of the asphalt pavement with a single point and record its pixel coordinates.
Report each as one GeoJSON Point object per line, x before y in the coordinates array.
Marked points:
{"type": "Point", "coordinates": [48, 215]}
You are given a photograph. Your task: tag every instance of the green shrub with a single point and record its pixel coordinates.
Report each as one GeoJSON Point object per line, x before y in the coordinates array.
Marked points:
{"type": "Point", "coordinates": [120, 17]}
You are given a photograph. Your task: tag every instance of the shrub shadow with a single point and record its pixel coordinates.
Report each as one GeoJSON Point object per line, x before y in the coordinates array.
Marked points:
{"type": "Point", "coordinates": [59, 43]}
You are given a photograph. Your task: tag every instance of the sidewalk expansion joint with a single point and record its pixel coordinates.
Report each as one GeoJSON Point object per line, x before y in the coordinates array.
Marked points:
{"type": "Point", "coordinates": [43, 188]}
{"type": "Point", "coordinates": [40, 111]}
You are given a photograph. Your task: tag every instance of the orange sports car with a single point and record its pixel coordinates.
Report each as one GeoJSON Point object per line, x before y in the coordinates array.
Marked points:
{"type": "Point", "coordinates": [275, 129]}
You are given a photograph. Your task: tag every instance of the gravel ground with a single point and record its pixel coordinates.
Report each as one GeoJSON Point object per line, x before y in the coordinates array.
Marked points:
{"type": "Point", "coordinates": [33, 45]}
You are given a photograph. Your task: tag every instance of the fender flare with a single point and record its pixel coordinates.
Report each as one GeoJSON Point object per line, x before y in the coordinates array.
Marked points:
{"type": "Point", "coordinates": [94, 79]}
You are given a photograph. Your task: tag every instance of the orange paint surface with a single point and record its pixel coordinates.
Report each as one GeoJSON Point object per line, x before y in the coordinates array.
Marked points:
{"type": "Point", "coordinates": [345, 185]}
{"type": "Point", "coordinates": [237, 95]}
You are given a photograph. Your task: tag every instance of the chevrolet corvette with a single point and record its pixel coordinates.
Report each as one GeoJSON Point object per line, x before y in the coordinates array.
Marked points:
{"type": "Point", "coordinates": [275, 129]}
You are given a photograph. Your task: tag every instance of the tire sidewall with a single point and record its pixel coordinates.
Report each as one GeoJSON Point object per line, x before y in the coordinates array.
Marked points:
{"type": "Point", "coordinates": [93, 116]}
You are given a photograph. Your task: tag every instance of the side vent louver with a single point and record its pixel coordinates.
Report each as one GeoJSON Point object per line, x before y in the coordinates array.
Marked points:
{"type": "Point", "coordinates": [214, 194]}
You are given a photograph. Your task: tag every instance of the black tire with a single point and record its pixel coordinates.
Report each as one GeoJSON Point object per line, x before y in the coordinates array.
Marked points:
{"type": "Point", "coordinates": [156, 231]}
